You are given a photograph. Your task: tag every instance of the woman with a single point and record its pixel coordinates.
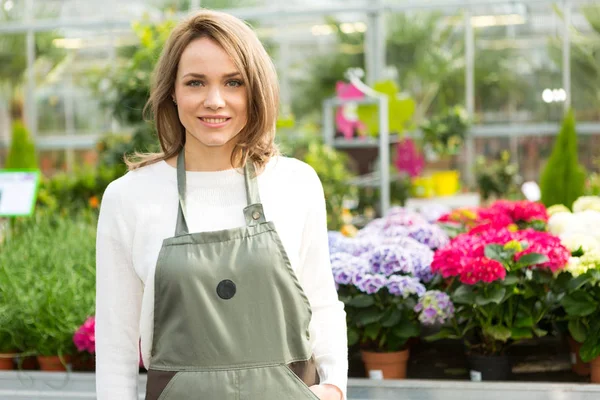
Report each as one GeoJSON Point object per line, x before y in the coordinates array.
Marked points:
{"type": "Point", "coordinates": [215, 251]}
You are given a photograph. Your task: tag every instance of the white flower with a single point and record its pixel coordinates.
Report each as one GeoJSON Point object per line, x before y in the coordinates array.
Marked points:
{"type": "Point", "coordinates": [587, 203]}
{"type": "Point", "coordinates": [574, 241]}
{"type": "Point", "coordinates": [561, 222]}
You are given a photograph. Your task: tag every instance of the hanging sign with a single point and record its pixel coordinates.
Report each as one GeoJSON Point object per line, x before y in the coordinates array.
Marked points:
{"type": "Point", "coordinates": [18, 192]}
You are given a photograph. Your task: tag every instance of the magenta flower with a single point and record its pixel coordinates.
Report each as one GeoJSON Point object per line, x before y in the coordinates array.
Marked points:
{"type": "Point", "coordinates": [85, 337]}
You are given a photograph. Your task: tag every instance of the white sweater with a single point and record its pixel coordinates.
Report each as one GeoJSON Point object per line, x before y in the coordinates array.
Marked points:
{"type": "Point", "coordinates": [139, 210]}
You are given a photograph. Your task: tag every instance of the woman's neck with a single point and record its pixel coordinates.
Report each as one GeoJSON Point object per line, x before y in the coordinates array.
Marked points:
{"type": "Point", "coordinates": [199, 157]}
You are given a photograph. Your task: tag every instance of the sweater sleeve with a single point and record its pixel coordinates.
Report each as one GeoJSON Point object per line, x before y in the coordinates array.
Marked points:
{"type": "Point", "coordinates": [329, 318]}
{"type": "Point", "coordinates": [118, 302]}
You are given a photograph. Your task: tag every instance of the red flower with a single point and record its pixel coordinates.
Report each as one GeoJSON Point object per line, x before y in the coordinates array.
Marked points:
{"type": "Point", "coordinates": [482, 269]}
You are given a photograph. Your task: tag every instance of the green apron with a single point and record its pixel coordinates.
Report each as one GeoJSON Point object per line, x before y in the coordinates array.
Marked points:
{"type": "Point", "coordinates": [230, 317]}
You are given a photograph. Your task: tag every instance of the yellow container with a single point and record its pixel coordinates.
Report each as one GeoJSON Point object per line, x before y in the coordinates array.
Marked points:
{"type": "Point", "coordinates": [446, 183]}
{"type": "Point", "coordinates": [422, 187]}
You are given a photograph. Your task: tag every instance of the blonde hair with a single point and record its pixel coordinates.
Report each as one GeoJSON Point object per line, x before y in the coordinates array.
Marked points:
{"type": "Point", "coordinates": [256, 139]}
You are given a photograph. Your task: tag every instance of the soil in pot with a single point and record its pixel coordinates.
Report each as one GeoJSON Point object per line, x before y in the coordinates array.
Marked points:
{"type": "Point", "coordinates": [386, 365]}
{"type": "Point", "coordinates": [53, 363]}
{"type": "Point", "coordinates": [489, 368]}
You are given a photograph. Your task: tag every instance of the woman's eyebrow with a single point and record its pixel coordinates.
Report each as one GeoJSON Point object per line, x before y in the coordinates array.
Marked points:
{"type": "Point", "coordinates": [202, 76]}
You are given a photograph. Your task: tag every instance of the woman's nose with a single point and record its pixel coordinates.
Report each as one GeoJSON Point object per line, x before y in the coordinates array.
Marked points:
{"type": "Point", "coordinates": [214, 100]}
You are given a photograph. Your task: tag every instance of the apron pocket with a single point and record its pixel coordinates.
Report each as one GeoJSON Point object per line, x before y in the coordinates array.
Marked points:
{"type": "Point", "coordinates": [188, 385]}
{"type": "Point", "coordinates": [273, 383]}
{"type": "Point", "coordinates": [261, 383]}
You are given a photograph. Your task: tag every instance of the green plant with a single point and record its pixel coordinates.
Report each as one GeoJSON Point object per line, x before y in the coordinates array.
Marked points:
{"type": "Point", "coordinates": [581, 301]}
{"type": "Point", "coordinates": [21, 154]}
{"type": "Point", "coordinates": [445, 133]}
{"type": "Point", "coordinates": [563, 179]}
{"type": "Point", "coordinates": [497, 178]}
{"type": "Point", "coordinates": [331, 167]}
{"type": "Point", "coordinates": [80, 190]}
{"type": "Point", "coordinates": [499, 281]}
{"type": "Point", "coordinates": [48, 273]}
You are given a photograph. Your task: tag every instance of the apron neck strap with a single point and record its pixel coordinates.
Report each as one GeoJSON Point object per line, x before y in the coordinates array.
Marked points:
{"type": "Point", "coordinates": [253, 213]}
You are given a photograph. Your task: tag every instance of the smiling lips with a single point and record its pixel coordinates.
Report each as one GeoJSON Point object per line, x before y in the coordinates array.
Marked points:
{"type": "Point", "coordinates": [214, 122]}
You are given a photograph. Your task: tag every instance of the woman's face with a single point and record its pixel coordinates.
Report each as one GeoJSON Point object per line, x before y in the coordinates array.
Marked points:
{"type": "Point", "coordinates": [210, 95]}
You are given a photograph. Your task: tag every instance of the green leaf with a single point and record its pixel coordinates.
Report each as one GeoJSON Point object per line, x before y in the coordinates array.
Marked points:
{"type": "Point", "coordinates": [406, 329]}
{"type": "Point", "coordinates": [521, 333]}
{"type": "Point", "coordinates": [392, 319]}
{"type": "Point", "coordinates": [540, 332]}
{"type": "Point", "coordinates": [495, 294]}
{"type": "Point", "coordinates": [579, 304]}
{"type": "Point", "coordinates": [352, 337]}
{"type": "Point", "coordinates": [463, 295]}
{"type": "Point", "coordinates": [524, 320]}
{"type": "Point", "coordinates": [578, 330]}
{"type": "Point", "coordinates": [577, 283]}
{"type": "Point", "coordinates": [510, 280]}
{"type": "Point", "coordinates": [495, 252]}
{"type": "Point", "coordinates": [531, 259]}
{"type": "Point", "coordinates": [362, 301]}
{"type": "Point", "coordinates": [498, 332]}
{"type": "Point", "coordinates": [372, 331]}
{"type": "Point", "coordinates": [368, 316]}
{"type": "Point", "coordinates": [444, 333]}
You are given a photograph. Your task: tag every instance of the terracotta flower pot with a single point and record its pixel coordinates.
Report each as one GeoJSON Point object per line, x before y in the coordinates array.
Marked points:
{"type": "Point", "coordinates": [386, 365]}
{"type": "Point", "coordinates": [595, 370]}
{"type": "Point", "coordinates": [577, 365]}
{"type": "Point", "coordinates": [53, 363]}
{"type": "Point", "coordinates": [7, 361]}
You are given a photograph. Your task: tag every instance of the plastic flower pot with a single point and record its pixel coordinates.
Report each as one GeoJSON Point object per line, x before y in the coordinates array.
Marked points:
{"type": "Point", "coordinates": [386, 365]}
{"type": "Point", "coordinates": [489, 368]}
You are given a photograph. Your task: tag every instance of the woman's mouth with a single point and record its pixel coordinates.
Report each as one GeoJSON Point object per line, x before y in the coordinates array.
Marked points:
{"type": "Point", "coordinates": [214, 122]}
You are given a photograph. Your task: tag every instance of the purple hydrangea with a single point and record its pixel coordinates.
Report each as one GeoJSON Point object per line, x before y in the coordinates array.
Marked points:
{"type": "Point", "coordinates": [373, 228]}
{"type": "Point", "coordinates": [388, 259]}
{"type": "Point", "coordinates": [395, 231]}
{"type": "Point", "coordinates": [371, 283]}
{"type": "Point", "coordinates": [432, 236]}
{"type": "Point", "coordinates": [434, 307]}
{"type": "Point", "coordinates": [405, 286]}
{"type": "Point", "coordinates": [422, 259]}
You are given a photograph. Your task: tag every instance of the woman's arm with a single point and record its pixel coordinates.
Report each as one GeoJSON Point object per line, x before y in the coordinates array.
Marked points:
{"type": "Point", "coordinates": [118, 302]}
{"type": "Point", "coordinates": [329, 319]}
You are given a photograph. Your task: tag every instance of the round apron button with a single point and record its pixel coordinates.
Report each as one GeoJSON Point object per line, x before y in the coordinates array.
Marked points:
{"type": "Point", "coordinates": [226, 289]}
{"type": "Point", "coordinates": [255, 215]}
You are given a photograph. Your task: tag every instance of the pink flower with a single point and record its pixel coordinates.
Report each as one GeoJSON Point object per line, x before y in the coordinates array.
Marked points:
{"type": "Point", "coordinates": [85, 337]}
{"type": "Point", "coordinates": [482, 269]}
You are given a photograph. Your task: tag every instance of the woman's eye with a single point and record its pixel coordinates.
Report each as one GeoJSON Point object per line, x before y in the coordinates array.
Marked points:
{"type": "Point", "coordinates": [234, 83]}
{"type": "Point", "coordinates": [194, 83]}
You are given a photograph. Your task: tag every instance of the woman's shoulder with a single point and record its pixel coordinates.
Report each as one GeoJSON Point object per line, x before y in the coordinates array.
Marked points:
{"type": "Point", "coordinates": [297, 176]}
{"type": "Point", "coordinates": [140, 183]}
{"type": "Point", "coordinates": [291, 168]}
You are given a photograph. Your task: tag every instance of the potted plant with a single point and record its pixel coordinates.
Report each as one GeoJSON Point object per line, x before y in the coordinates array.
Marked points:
{"type": "Point", "coordinates": [381, 276]}
{"type": "Point", "coordinates": [51, 263]}
{"type": "Point", "coordinates": [84, 340]}
{"type": "Point", "coordinates": [7, 347]}
{"type": "Point", "coordinates": [581, 304]}
{"type": "Point", "coordinates": [578, 282]}
{"type": "Point", "coordinates": [499, 282]}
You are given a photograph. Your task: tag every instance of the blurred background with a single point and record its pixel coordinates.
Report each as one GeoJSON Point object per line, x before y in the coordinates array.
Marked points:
{"type": "Point", "coordinates": [476, 92]}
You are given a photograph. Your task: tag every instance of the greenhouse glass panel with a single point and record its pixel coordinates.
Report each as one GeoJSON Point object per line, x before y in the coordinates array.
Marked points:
{"type": "Point", "coordinates": [585, 61]}
{"type": "Point", "coordinates": [518, 63]}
